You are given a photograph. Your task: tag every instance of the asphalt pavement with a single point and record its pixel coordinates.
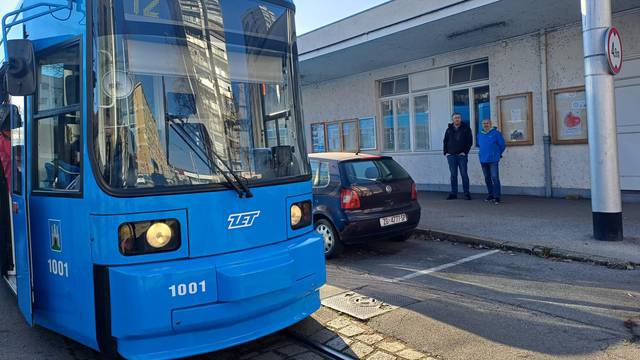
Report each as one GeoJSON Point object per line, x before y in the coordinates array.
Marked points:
{"type": "Point", "coordinates": [498, 305]}
{"type": "Point", "coordinates": [454, 301]}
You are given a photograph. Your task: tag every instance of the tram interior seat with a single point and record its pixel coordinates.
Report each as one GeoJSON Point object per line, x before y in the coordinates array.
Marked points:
{"type": "Point", "coordinates": [277, 161]}
{"type": "Point", "coordinates": [61, 175]}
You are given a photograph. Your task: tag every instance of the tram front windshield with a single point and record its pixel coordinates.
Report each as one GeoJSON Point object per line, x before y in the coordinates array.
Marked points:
{"type": "Point", "coordinates": [186, 90]}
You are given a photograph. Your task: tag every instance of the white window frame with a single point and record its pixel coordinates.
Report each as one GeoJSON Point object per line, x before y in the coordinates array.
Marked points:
{"type": "Point", "coordinates": [395, 123]}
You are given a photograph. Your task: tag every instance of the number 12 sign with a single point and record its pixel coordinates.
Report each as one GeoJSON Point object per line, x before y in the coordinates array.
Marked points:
{"type": "Point", "coordinates": [614, 50]}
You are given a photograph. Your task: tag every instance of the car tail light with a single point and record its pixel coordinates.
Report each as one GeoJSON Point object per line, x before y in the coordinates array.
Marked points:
{"type": "Point", "coordinates": [414, 191]}
{"type": "Point", "coordinates": [349, 199]}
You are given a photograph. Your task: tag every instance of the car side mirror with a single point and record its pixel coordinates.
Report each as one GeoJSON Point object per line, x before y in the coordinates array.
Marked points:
{"type": "Point", "coordinates": [21, 73]}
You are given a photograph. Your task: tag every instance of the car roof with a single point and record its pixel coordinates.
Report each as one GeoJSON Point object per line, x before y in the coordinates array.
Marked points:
{"type": "Point", "coordinates": [344, 156]}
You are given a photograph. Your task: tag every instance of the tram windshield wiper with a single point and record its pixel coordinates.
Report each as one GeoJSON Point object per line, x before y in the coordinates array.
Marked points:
{"type": "Point", "coordinates": [191, 139]}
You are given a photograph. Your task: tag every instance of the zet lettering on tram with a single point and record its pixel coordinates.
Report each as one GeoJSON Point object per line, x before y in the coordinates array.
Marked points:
{"type": "Point", "coordinates": [243, 220]}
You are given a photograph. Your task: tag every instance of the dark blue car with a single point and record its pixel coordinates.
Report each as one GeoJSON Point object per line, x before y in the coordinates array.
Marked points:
{"type": "Point", "coordinates": [359, 198]}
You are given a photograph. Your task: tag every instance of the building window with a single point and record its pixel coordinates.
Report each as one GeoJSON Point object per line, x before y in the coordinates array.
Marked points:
{"type": "Point", "coordinates": [481, 106]}
{"type": "Point", "coordinates": [421, 116]}
{"type": "Point", "coordinates": [394, 87]}
{"type": "Point", "coordinates": [388, 130]}
{"type": "Point", "coordinates": [461, 104]}
{"type": "Point", "coordinates": [350, 136]}
{"type": "Point", "coordinates": [368, 134]}
{"type": "Point", "coordinates": [347, 135]}
{"type": "Point", "coordinates": [460, 74]}
{"type": "Point", "coordinates": [317, 138]}
{"type": "Point", "coordinates": [404, 124]}
{"type": "Point", "coordinates": [333, 137]}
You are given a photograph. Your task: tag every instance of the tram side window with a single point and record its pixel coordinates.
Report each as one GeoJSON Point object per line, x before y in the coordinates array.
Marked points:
{"type": "Point", "coordinates": [58, 128]}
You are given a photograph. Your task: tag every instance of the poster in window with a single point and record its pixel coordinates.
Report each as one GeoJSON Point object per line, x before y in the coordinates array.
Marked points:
{"type": "Point", "coordinates": [569, 116]}
{"type": "Point", "coordinates": [515, 118]}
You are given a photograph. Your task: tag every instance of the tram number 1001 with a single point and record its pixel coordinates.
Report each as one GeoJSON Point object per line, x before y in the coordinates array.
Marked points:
{"type": "Point", "coordinates": [57, 267]}
{"type": "Point", "coordinates": [191, 288]}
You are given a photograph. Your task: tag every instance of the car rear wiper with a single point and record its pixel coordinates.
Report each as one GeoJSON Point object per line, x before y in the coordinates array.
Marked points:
{"type": "Point", "coordinates": [239, 185]}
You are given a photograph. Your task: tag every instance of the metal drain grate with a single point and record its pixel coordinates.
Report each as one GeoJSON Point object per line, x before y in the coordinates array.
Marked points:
{"type": "Point", "coordinates": [357, 305]}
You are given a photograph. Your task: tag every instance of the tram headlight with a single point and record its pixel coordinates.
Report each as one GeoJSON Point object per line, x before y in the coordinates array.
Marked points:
{"type": "Point", "coordinates": [300, 214]}
{"type": "Point", "coordinates": [148, 237]}
{"type": "Point", "coordinates": [159, 235]}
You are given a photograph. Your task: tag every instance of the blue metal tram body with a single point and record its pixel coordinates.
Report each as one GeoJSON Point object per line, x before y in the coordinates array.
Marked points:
{"type": "Point", "coordinates": [240, 269]}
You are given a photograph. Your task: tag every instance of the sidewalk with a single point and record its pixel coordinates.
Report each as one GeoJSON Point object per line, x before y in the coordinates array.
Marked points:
{"type": "Point", "coordinates": [546, 227]}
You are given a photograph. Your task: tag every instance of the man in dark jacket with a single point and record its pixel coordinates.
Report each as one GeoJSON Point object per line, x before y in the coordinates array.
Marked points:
{"type": "Point", "coordinates": [458, 140]}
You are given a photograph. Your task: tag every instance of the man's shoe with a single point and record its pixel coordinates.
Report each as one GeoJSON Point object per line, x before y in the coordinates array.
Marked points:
{"type": "Point", "coordinates": [489, 198]}
{"type": "Point", "coordinates": [452, 197]}
{"type": "Point", "coordinates": [467, 196]}
{"type": "Point", "coordinates": [496, 201]}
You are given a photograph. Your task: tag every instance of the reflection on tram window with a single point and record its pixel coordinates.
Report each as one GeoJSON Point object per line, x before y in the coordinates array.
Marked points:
{"type": "Point", "coordinates": [178, 98]}
{"type": "Point", "coordinates": [58, 153]}
{"type": "Point", "coordinates": [59, 79]}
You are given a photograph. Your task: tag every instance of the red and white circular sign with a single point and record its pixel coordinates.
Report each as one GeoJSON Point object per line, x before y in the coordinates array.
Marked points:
{"type": "Point", "coordinates": [614, 50]}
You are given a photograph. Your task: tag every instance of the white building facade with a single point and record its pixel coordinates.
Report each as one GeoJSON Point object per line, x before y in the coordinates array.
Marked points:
{"type": "Point", "coordinates": [387, 81]}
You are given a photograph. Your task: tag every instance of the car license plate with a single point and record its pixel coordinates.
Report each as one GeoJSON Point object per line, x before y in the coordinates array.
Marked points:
{"type": "Point", "coordinates": [392, 220]}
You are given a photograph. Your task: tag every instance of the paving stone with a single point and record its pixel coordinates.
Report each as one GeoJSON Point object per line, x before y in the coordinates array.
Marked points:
{"type": "Point", "coordinates": [410, 354]}
{"type": "Point", "coordinates": [268, 356]}
{"type": "Point", "coordinates": [323, 336]}
{"type": "Point", "coordinates": [360, 350]}
{"type": "Point", "coordinates": [310, 356]}
{"type": "Point", "coordinates": [291, 350]}
{"type": "Point", "coordinates": [250, 355]}
{"type": "Point", "coordinates": [339, 343]}
{"type": "Point", "coordinates": [307, 327]}
{"type": "Point", "coordinates": [370, 339]}
{"type": "Point", "coordinates": [391, 346]}
{"type": "Point", "coordinates": [351, 330]}
{"type": "Point", "coordinates": [339, 323]}
{"type": "Point", "coordinates": [324, 315]}
{"type": "Point", "coordinates": [379, 355]}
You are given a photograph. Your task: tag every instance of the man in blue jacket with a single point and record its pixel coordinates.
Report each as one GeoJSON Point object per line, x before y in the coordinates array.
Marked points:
{"type": "Point", "coordinates": [492, 146]}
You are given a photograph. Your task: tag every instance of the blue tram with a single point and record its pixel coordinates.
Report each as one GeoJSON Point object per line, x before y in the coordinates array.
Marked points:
{"type": "Point", "coordinates": [158, 188]}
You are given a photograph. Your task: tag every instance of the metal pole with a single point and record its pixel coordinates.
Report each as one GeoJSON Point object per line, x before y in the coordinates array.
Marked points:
{"type": "Point", "coordinates": [606, 199]}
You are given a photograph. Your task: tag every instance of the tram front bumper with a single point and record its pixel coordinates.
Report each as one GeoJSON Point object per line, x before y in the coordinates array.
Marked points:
{"type": "Point", "coordinates": [187, 307]}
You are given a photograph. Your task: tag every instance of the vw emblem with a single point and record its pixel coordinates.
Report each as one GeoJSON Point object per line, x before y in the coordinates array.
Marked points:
{"type": "Point", "coordinates": [389, 189]}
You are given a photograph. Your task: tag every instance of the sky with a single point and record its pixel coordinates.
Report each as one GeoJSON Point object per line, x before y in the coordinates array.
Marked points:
{"type": "Point", "coordinates": [310, 15]}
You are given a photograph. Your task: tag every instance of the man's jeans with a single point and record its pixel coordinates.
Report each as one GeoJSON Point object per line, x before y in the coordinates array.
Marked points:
{"type": "Point", "coordinates": [492, 178]}
{"type": "Point", "coordinates": [458, 162]}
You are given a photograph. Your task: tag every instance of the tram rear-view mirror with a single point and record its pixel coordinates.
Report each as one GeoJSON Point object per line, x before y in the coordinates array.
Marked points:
{"type": "Point", "coordinates": [21, 74]}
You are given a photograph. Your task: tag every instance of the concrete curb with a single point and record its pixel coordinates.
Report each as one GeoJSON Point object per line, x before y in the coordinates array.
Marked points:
{"type": "Point", "coordinates": [537, 250]}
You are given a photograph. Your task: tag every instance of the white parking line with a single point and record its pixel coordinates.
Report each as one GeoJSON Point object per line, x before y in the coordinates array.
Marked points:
{"type": "Point", "coordinates": [442, 267]}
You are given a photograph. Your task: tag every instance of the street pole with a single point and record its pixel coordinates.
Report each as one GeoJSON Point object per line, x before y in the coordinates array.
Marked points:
{"type": "Point", "coordinates": [606, 202]}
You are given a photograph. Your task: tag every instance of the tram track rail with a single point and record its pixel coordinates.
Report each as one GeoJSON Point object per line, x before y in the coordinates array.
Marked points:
{"type": "Point", "coordinates": [318, 347]}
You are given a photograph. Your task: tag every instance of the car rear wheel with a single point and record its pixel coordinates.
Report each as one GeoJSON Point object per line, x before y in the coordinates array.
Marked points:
{"type": "Point", "coordinates": [332, 244]}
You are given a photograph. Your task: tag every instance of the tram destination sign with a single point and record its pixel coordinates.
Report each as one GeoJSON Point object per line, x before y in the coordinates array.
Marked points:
{"type": "Point", "coordinates": [613, 46]}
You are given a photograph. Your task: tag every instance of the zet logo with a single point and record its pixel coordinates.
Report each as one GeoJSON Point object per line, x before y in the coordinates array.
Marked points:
{"type": "Point", "coordinates": [244, 220]}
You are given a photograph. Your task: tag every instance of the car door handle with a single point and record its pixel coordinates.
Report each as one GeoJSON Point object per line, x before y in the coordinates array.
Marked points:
{"type": "Point", "coordinates": [14, 207]}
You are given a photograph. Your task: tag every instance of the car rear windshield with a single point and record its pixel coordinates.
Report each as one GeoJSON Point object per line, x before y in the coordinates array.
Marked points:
{"type": "Point", "coordinates": [369, 171]}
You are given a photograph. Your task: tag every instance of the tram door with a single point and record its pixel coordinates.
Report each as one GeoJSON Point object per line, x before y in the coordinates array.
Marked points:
{"type": "Point", "coordinates": [21, 243]}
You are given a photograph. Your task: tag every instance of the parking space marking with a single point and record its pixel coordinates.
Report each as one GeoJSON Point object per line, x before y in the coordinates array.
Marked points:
{"type": "Point", "coordinates": [442, 267]}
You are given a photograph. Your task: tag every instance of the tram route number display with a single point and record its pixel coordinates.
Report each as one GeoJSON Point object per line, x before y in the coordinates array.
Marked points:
{"type": "Point", "coordinates": [192, 288]}
{"type": "Point", "coordinates": [57, 267]}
